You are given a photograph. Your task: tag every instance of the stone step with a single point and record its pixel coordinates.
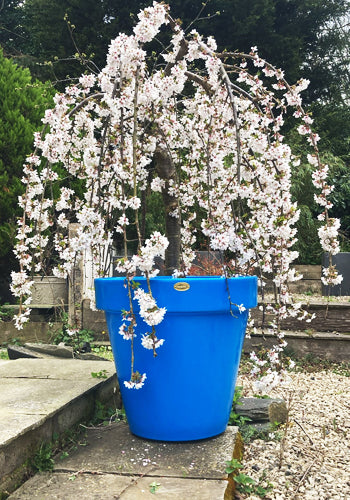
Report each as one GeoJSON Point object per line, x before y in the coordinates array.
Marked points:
{"type": "Point", "coordinates": [113, 463]}
{"type": "Point", "coordinates": [47, 351]}
{"type": "Point", "coordinates": [42, 398]}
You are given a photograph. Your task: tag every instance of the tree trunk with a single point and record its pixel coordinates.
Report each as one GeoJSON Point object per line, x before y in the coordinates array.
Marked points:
{"type": "Point", "coordinates": [166, 171]}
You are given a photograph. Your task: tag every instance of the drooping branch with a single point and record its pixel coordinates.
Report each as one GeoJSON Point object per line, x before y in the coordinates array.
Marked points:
{"type": "Point", "coordinates": [166, 171]}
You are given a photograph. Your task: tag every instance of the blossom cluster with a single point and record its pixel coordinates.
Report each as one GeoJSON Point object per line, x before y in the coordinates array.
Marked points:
{"type": "Point", "coordinates": [223, 140]}
{"type": "Point", "coordinates": [149, 311]}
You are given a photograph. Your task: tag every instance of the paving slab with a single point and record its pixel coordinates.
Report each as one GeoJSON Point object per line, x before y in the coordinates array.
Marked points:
{"type": "Point", "coordinates": [114, 449]}
{"type": "Point", "coordinates": [41, 398]}
{"type": "Point", "coordinates": [54, 368]}
{"type": "Point", "coordinates": [115, 464]}
{"type": "Point", "coordinates": [60, 486]}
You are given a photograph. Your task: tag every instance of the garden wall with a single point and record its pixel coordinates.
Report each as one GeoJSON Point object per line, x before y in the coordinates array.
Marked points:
{"type": "Point", "coordinates": [34, 331]}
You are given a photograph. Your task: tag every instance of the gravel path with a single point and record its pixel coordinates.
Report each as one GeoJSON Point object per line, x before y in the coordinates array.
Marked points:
{"type": "Point", "coordinates": [313, 462]}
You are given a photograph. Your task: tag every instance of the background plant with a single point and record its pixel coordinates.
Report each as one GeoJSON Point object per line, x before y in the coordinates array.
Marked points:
{"type": "Point", "coordinates": [79, 339]}
{"type": "Point", "coordinates": [22, 104]}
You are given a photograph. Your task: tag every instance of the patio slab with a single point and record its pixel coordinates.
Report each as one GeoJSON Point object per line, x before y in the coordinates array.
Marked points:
{"type": "Point", "coordinates": [40, 399]}
{"type": "Point", "coordinates": [113, 463]}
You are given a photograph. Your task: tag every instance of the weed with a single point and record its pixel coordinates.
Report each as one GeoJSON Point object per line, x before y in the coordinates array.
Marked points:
{"type": "Point", "coordinates": [245, 484]}
{"type": "Point", "coordinates": [312, 364]}
{"type": "Point", "coordinates": [310, 331]}
{"type": "Point", "coordinates": [273, 432]}
{"type": "Point", "coordinates": [342, 369]}
{"type": "Point", "coordinates": [238, 394]}
{"type": "Point", "coordinates": [13, 341]}
{"type": "Point", "coordinates": [153, 487]}
{"type": "Point", "coordinates": [100, 413]}
{"type": "Point", "coordinates": [4, 355]}
{"type": "Point", "coordinates": [104, 351]}
{"type": "Point", "coordinates": [235, 418]}
{"type": "Point", "coordinates": [120, 414]}
{"type": "Point", "coordinates": [248, 433]}
{"type": "Point", "coordinates": [105, 415]}
{"type": "Point", "coordinates": [78, 339]}
{"type": "Point", "coordinates": [43, 459]}
{"type": "Point", "coordinates": [100, 374]}
{"type": "Point", "coordinates": [238, 420]}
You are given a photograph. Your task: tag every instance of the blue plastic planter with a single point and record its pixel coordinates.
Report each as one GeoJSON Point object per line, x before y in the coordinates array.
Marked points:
{"type": "Point", "coordinates": [190, 384]}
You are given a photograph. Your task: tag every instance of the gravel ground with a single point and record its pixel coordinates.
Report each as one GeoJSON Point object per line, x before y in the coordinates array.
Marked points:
{"type": "Point", "coordinates": [312, 460]}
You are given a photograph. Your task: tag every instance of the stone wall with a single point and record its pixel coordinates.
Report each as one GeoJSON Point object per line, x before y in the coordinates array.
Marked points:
{"type": "Point", "coordinates": [311, 281]}
{"type": "Point", "coordinates": [332, 318]}
{"type": "Point", "coordinates": [319, 345]}
{"type": "Point", "coordinates": [38, 331]}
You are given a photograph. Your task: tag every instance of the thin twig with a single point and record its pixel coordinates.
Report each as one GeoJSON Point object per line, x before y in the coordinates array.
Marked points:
{"type": "Point", "coordinates": [302, 428]}
{"type": "Point", "coordinates": [303, 478]}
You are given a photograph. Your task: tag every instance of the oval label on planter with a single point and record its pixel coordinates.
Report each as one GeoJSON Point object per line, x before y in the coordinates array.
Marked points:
{"type": "Point", "coordinates": [181, 286]}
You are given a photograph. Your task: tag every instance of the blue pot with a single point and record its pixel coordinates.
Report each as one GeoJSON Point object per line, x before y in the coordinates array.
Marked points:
{"type": "Point", "coordinates": [190, 385]}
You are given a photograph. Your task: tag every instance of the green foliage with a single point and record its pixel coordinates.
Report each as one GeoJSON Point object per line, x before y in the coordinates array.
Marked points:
{"type": "Point", "coordinates": [235, 418]}
{"type": "Point", "coordinates": [232, 466]}
{"type": "Point", "coordinates": [43, 459]}
{"type": "Point", "coordinates": [246, 484]}
{"type": "Point", "coordinates": [104, 415]}
{"type": "Point", "coordinates": [6, 313]}
{"type": "Point", "coordinates": [339, 177]}
{"type": "Point", "coordinates": [11, 26]}
{"type": "Point", "coordinates": [83, 30]}
{"type": "Point", "coordinates": [312, 364]}
{"type": "Point", "coordinates": [71, 336]}
{"type": "Point", "coordinates": [100, 374]}
{"type": "Point", "coordinates": [100, 412]}
{"type": "Point", "coordinates": [306, 38]}
{"type": "Point", "coordinates": [336, 155]}
{"type": "Point", "coordinates": [308, 245]}
{"type": "Point", "coordinates": [60, 446]}
{"type": "Point", "coordinates": [293, 34]}
{"type": "Point", "coordinates": [103, 351]}
{"type": "Point", "coordinates": [76, 340]}
{"type": "Point", "coordinates": [13, 341]}
{"type": "Point", "coordinates": [154, 486]}
{"type": "Point", "coordinates": [3, 354]}
{"type": "Point", "coordinates": [22, 106]}
{"type": "Point", "coordinates": [250, 433]}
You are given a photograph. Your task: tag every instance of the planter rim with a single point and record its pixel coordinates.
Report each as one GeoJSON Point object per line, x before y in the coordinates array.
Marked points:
{"type": "Point", "coordinates": [185, 278]}
{"type": "Point", "coordinates": [202, 293]}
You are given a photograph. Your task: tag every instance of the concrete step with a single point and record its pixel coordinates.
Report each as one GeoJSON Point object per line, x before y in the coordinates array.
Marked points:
{"type": "Point", "coordinates": [113, 463]}
{"type": "Point", "coordinates": [41, 398]}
